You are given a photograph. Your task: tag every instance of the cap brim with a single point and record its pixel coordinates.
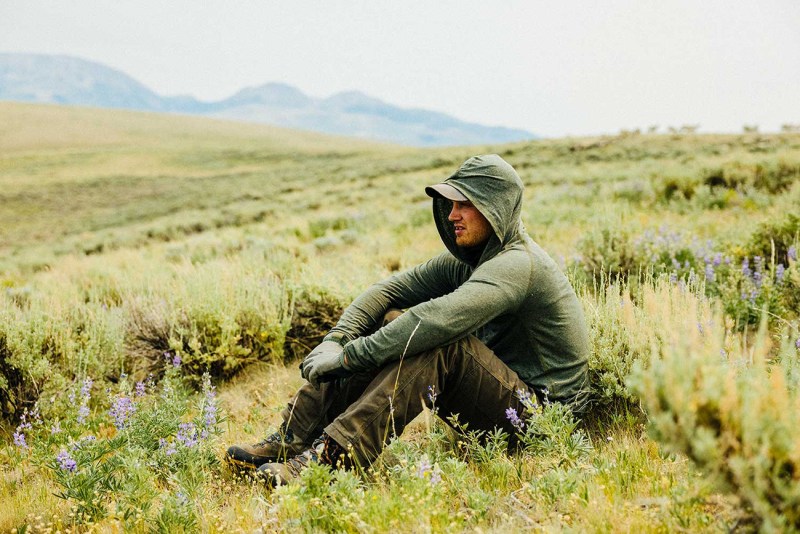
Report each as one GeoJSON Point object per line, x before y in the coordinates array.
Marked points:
{"type": "Point", "coordinates": [445, 191]}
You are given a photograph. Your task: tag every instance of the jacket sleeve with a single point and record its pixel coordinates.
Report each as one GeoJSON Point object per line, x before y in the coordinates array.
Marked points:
{"type": "Point", "coordinates": [497, 287]}
{"type": "Point", "coordinates": [426, 281]}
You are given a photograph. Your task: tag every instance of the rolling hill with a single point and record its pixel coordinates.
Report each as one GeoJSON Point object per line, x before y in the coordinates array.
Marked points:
{"type": "Point", "coordinates": [68, 80]}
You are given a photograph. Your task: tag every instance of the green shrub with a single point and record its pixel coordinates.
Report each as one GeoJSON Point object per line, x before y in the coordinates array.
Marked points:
{"type": "Point", "coordinates": [607, 250]}
{"type": "Point", "coordinates": [45, 344]}
{"type": "Point", "coordinates": [217, 317]}
{"type": "Point", "coordinates": [770, 176]}
{"type": "Point", "coordinates": [774, 239]}
{"type": "Point", "coordinates": [733, 410]}
{"type": "Point", "coordinates": [314, 313]}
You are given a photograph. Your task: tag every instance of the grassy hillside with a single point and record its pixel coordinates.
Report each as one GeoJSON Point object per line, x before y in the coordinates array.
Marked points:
{"type": "Point", "coordinates": [129, 241]}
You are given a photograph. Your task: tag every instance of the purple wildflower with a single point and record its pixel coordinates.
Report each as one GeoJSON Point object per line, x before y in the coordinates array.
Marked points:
{"type": "Point", "coordinates": [55, 428]}
{"type": "Point", "coordinates": [792, 253]}
{"type": "Point", "coordinates": [426, 470]}
{"type": "Point", "coordinates": [709, 272]}
{"type": "Point", "coordinates": [86, 389]}
{"type": "Point", "coordinates": [524, 397]}
{"type": "Point", "coordinates": [432, 394]}
{"type": "Point", "coordinates": [176, 361]}
{"type": "Point", "coordinates": [717, 259]}
{"type": "Point", "coordinates": [19, 439]}
{"type": "Point", "coordinates": [780, 270]}
{"type": "Point", "coordinates": [746, 268]}
{"type": "Point", "coordinates": [140, 389]}
{"type": "Point", "coordinates": [513, 418]}
{"type": "Point", "coordinates": [169, 448]}
{"type": "Point", "coordinates": [66, 462]}
{"type": "Point", "coordinates": [187, 435]}
{"type": "Point", "coordinates": [797, 343]}
{"type": "Point", "coordinates": [83, 413]}
{"type": "Point", "coordinates": [673, 277]}
{"type": "Point", "coordinates": [121, 411]}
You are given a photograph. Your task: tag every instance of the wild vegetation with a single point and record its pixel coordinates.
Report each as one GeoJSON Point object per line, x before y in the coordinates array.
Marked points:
{"type": "Point", "coordinates": [162, 275]}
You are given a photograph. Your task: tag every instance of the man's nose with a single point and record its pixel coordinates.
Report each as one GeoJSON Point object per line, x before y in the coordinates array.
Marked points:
{"type": "Point", "coordinates": [454, 214]}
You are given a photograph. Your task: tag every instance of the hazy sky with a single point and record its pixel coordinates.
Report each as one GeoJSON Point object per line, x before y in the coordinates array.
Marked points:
{"type": "Point", "coordinates": [552, 67]}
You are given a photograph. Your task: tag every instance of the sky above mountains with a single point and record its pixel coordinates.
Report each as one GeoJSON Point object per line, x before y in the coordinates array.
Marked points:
{"type": "Point", "coordinates": [555, 68]}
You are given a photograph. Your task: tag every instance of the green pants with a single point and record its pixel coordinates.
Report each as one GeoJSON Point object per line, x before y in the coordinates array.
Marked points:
{"type": "Point", "coordinates": [364, 411]}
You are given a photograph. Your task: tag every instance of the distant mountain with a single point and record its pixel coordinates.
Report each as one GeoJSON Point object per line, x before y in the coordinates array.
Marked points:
{"type": "Point", "coordinates": [69, 80]}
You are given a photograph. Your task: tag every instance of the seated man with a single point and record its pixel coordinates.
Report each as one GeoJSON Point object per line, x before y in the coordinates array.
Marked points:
{"type": "Point", "coordinates": [487, 322]}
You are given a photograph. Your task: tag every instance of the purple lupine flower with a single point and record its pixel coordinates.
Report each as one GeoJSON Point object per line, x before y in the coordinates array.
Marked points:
{"type": "Point", "coordinates": [187, 435]}
{"type": "Point", "coordinates": [709, 272]}
{"type": "Point", "coordinates": [780, 270]}
{"type": "Point", "coordinates": [753, 296]}
{"type": "Point", "coordinates": [169, 448]}
{"type": "Point", "coordinates": [792, 253]}
{"type": "Point", "coordinates": [513, 418]}
{"type": "Point", "coordinates": [176, 361]}
{"type": "Point", "coordinates": [210, 415]}
{"type": "Point", "coordinates": [66, 462]}
{"type": "Point", "coordinates": [717, 259]}
{"type": "Point", "coordinates": [141, 389]}
{"type": "Point", "coordinates": [746, 268]}
{"type": "Point", "coordinates": [86, 388]}
{"type": "Point", "coordinates": [424, 467]}
{"type": "Point", "coordinates": [797, 343]}
{"type": "Point", "coordinates": [19, 439]}
{"type": "Point", "coordinates": [426, 470]}
{"type": "Point", "coordinates": [432, 394]}
{"type": "Point", "coordinates": [83, 413]}
{"type": "Point", "coordinates": [525, 398]}
{"type": "Point", "coordinates": [673, 277]}
{"type": "Point", "coordinates": [121, 411]}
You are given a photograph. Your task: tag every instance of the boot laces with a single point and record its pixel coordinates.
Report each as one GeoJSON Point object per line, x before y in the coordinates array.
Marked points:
{"type": "Point", "coordinates": [283, 435]}
{"type": "Point", "coordinates": [302, 460]}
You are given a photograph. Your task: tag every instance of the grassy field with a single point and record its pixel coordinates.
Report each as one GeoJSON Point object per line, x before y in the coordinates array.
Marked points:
{"type": "Point", "coordinates": [161, 275]}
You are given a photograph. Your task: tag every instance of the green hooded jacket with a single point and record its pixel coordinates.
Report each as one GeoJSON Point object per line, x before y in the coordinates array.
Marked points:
{"type": "Point", "coordinates": [511, 295]}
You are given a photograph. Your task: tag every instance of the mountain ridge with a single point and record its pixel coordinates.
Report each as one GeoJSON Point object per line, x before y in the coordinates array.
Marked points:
{"type": "Point", "coordinates": [69, 80]}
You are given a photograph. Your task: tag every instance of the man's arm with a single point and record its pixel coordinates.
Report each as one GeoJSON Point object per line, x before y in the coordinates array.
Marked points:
{"type": "Point", "coordinates": [426, 281]}
{"type": "Point", "coordinates": [497, 287]}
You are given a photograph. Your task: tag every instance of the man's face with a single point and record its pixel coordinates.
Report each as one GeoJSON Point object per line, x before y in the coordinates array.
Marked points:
{"type": "Point", "coordinates": [470, 226]}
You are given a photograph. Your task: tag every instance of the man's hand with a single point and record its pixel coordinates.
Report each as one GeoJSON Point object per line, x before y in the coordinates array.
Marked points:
{"type": "Point", "coordinates": [325, 361]}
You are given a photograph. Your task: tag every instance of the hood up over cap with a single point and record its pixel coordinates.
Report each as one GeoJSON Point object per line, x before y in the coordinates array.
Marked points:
{"type": "Point", "coordinates": [495, 188]}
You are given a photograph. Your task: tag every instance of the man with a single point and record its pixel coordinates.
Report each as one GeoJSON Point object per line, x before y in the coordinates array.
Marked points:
{"type": "Point", "coordinates": [489, 321]}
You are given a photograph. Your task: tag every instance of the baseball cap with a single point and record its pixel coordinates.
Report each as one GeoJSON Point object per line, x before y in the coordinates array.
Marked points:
{"type": "Point", "coordinates": [446, 191]}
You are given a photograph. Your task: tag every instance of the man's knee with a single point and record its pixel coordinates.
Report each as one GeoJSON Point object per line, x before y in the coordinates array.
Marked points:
{"type": "Point", "coordinates": [391, 315]}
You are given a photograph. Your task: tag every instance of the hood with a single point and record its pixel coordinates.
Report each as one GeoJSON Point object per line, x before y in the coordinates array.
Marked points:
{"type": "Point", "coordinates": [495, 188]}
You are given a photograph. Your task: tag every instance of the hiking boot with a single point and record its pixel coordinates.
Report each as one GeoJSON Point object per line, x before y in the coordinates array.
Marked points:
{"type": "Point", "coordinates": [277, 447]}
{"type": "Point", "coordinates": [324, 451]}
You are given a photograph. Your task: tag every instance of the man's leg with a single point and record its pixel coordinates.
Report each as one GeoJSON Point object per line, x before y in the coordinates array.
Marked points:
{"type": "Point", "coordinates": [310, 409]}
{"type": "Point", "coordinates": [467, 377]}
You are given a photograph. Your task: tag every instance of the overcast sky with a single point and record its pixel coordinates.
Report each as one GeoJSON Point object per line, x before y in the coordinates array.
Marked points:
{"type": "Point", "coordinates": [551, 67]}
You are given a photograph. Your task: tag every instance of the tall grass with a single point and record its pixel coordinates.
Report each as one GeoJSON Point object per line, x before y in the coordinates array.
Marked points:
{"type": "Point", "coordinates": [137, 241]}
